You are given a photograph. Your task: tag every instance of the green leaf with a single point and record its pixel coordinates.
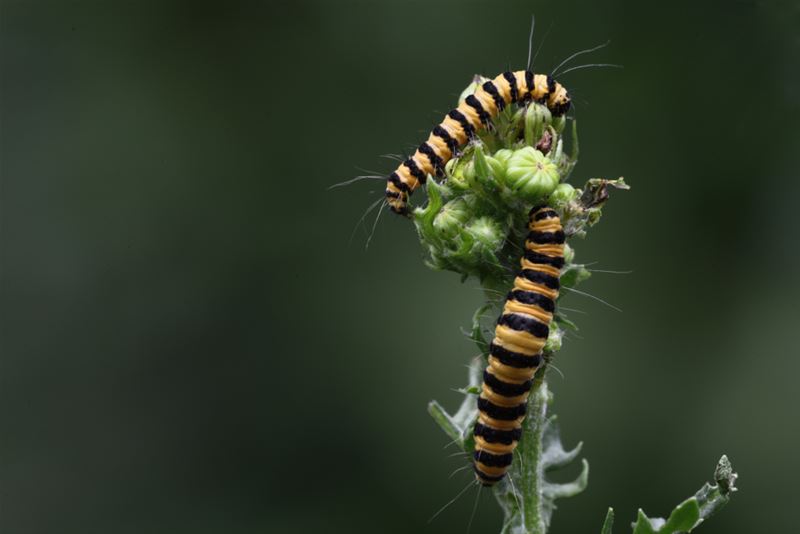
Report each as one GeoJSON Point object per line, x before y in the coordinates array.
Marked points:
{"type": "Point", "coordinates": [482, 170]}
{"type": "Point", "coordinates": [575, 144]}
{"type": "Point", "coordinates": [458, 426]}
{"type": "Point", "coordinates": [561, 320]}
{"type": "Point", "coordinates": [643, 524]}
{"type": "Point", "coordinates": [568, 163]}
{"type": "Point", "coordinates": [568, 489]}
{"type": "Point", "coordinates": [553, 453]}
{"type": "Point", "coordinates": [528, 498]}
{"type": "Point", "coordinates": [477, 330]}
{"type": "Point", "coordinates": [609, 522]}
{"type": "Point", "coordinates": [574, 274]}
{"type": "Point", "coordinates": [444, 420]}
{"type": "Point", "coordinates": [683, 517]}
{"type": "Point", "coordinates": [689, 514]}
{"type": "Point", "coordinates": [424, 217]}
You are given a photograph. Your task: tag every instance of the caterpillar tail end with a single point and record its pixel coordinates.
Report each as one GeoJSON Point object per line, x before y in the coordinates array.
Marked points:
{"type": "Point", "coordinates": [485, 480]}
{"type": "Point", "coordinates": [490, 467]}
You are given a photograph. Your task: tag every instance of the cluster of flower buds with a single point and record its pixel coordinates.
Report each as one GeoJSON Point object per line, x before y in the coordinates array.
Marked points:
{"type": "Point", "coordinates": [475, 220]}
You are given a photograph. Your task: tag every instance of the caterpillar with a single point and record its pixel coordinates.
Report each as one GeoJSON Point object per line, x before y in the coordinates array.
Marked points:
{"type": "Point", "coordinates": [515, 353]}
{"type": "Point", "coordinates": [460, 124]}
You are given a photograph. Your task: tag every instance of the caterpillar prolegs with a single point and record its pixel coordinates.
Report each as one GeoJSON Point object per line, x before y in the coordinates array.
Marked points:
{"type": "Point", "coordinates": [516, 350]}
{"type": "Point", "coordinates": [461, 123]}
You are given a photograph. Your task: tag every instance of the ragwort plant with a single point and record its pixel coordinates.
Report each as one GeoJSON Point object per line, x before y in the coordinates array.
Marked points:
{"type": "Point", "coordinates": [474, 223]}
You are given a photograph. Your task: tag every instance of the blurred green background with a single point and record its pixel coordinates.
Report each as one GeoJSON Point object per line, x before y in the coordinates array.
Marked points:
{"type": "Point", "coordinates": [191, 344]}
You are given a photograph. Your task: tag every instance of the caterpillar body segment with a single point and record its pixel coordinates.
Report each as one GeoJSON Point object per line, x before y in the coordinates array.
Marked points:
{"type": "Point", "coordinates": [515, 353]}
{"type": "Point", "coordinates": [460, 124]}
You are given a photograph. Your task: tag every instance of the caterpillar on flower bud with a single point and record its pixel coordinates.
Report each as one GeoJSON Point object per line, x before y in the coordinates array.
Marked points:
{"type": "Point", "coordinates": [460, 124]}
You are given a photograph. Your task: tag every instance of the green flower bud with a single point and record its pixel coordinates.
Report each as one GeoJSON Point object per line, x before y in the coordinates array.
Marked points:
{"type": "Point", "coordinates": [563, 195]}
{"type": "Point", "coordinates": [509, 130]}
{"type": "Point", "coordinates": [553, 343]}
{"type": "Point", "coordinates": [468, 172]}
{"type": "Point", "coordinates": [497, 168]}
{"type": "Point", "coordinates": [497, 164]}
{"type": "Point", "coordinates": [482, 170]}
{"type": "Point", "coordinates": [477, 81]}
{"type": "Point", "coordinates": [557, 153]}
{"type": "Point", "coordinates": [573, 274]}
{"type": "Point", "coordinates": [531, 175]}
{"type": "Point", "coordinates": [489, 172]}
{"type": "Point", "coordinates": [450, 166]}
{"type": "Point", "coordinates": [559, 123]}
{"type": "Point", "coordinates": [456, 178]}
{"type": "Point", "coordinates": [451, 219]}
{"type": "Point", "coordinates": [503, 155]}
{"type": "Point", "coordinates": [537, 117]}
{"type": "Point", "coordinates": [435, 261]}
{"type": "Point", "coordinates": [487, 233]}
{"type": "Point", "coordinates": [569, 253]}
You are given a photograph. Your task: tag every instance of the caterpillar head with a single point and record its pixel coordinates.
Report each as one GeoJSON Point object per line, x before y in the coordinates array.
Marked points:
{"type": "Point", "coordinates": [559, 100]}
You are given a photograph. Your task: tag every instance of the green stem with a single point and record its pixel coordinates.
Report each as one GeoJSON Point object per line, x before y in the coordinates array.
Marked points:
{"type": "Point", "coordinates": [531, 473]}
{"type": "Point", "coordinates": [522, 499]}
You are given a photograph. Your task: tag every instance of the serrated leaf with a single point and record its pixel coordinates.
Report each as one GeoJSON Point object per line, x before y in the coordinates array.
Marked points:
{"type": "Point", "coordinates": [528, 498]}
{"type": "Point", "coordinates": [554, 455]}
{"type": "Point", "coordinates": [569, 489]}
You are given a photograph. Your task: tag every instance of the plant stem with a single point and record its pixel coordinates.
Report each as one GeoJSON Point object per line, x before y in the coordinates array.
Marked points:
{"type": "Point", "coordinates": [530, 451]}
{"type": "Point", "coordinates": [522, 498]}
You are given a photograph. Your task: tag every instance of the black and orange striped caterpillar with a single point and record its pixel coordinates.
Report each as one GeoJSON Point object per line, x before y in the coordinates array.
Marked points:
{"type": "Point", "coordinates": [474, 113]}
{"type": "Point", "coordinates": [515, 353]}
